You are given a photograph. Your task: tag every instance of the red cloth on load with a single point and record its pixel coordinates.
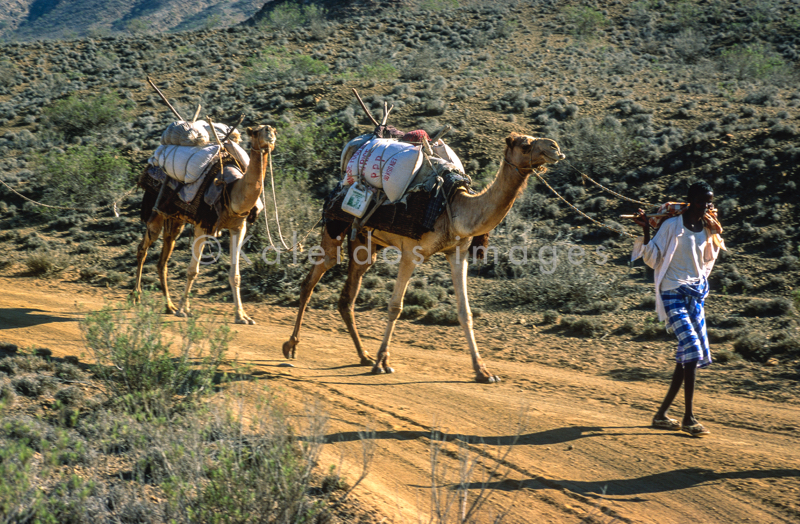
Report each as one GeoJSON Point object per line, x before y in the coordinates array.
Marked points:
{"type": "Point", "coordinates": [415, 137]}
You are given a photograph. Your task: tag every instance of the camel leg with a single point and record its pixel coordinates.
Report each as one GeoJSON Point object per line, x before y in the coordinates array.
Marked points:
{"type": "Point", "coordinates": [172, 230]}
{"type": "Point", "coordinates": [404, 273]}
{"type": "Point", "coordinates": [330, 248]}
{"type": "Point", "coordinates": [235, 279]}
{"type": "Point", "coordinates": [458, 268]}
{"type": "Point", "coordinates": [198, 244]}
{"type": "Point", "coordinates": [362, 256]}
{"type": "Point", "coordinates": [152, 231]}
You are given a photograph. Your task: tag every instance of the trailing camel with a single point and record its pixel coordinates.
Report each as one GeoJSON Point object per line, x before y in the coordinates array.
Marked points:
{"type": "Point", "coordinates": [243, 196]}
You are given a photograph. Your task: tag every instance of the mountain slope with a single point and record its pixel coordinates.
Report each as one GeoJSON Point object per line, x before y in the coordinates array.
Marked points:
{"type": "Point", "coordinates": [46, 19]}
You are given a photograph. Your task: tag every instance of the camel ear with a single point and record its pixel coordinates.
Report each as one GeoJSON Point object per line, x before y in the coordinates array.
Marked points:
{"type": "Point", "coordinates": [510, 138]}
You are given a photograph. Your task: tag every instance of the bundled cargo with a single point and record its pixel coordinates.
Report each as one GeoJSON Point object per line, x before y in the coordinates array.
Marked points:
{"type": "Point", "coordinates": [183, 163]}
{"type": "Point", "coordinates": [195, 134]}
{"type": "Point", "coordinates": [384, 163]}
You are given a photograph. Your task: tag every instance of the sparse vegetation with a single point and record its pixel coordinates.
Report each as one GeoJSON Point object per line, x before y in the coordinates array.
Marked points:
{"type": "Point", "coordinates": [643, 97]}
{"type": "Point", "coordinates": [84, 175]}
{"type": "Point", "coordinates": [137, 362]}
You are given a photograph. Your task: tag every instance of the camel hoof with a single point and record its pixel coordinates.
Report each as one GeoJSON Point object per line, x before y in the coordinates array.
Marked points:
{"type": "Point", "coordinates": [288, 349]}
{"type": "Point", "coordinates": [182, 314]}
{"type": "Point", "coordinates": [170, 311]}
{"type": "Point", "coordinates": [491, 379]}
{"type": "Point", "coordinates": [377, 370]}
{"type": "Point", "coordinates": [244, 319]}
{"type": "Point", "coordinates": [367, 361]}
{"type": "Point", "coordinates": [388, 370]}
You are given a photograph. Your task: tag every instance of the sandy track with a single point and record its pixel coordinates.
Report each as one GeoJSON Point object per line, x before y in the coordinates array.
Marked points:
{"type": "Point", "coordinates": [582, 442]}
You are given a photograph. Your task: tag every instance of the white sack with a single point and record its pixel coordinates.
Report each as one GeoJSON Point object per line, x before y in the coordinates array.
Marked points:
{"type": "Point", "coordinates": [221, 129]}
{"type": "Point", "coordinates": [236, 151]}
{"type": "Point", "coordinates": [444, 152]}
{"type": "Point", "coordinates": [351, 147]}
{"type": "Point", "coordinates": [385, 163]}
{"type": "Point", "coordinates": [184, 164]}
{"type": "Point", "coordinates": [184, 133]}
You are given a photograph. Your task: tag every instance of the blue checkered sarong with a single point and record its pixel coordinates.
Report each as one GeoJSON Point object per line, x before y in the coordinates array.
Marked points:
{"type": "Point", "coordinates": [687, 319]}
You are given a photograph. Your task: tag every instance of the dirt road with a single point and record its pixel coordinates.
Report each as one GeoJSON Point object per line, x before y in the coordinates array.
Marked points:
{"type": "Point", "coordinates": [582, 448]}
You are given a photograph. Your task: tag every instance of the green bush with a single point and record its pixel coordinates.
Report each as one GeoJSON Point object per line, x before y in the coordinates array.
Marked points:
{"type": "Point", "coordinates": [420, 297]}
{"type": "Point", "coordinates": [8, 72]}
{"type": "Point", "coordinates": [140, 366]}
{"type": "Point", "coordinates": [380, 71]}
{"type": "Point", "coordinates": [567, 288]}
{"type": "Point", "coordinates": [291, 15]}
{"type": "Point", "coordinates": [79, 115]}
{"type": "Point", "coordinates": [306, 149]}
{"type": "Point", "coordinates": [752, 62]}
{"type": "Point", "coordinates": [83, 175]}
{"type": "Point", "coordinates": [585, 21]}
{"type": "Point", "coordinates": [443, 316]}
{"type": "Point", "coordinates": [600, 148]}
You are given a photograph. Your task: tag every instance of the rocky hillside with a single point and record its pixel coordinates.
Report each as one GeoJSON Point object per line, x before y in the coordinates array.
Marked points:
{"type": "Point", "coordinates": [66, 19]}
{"type": "Point", "coordinates": [643, 97]}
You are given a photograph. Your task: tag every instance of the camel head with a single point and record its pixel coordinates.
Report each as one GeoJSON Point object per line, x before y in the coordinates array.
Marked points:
{"type": "Point", "coordinates": [528, 152]}
{"type": "Point", "coordinates": [262, 137]}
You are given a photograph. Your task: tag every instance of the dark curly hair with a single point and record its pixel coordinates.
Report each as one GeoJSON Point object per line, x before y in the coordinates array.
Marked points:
{"type": "Point", "coordinates": [698, 189]}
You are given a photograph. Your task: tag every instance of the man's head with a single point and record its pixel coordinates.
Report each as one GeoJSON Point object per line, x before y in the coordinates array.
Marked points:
{"type": "Point", "coordinates": [699, 190]}
{"type": "Point", "coordinates": [700, 195]}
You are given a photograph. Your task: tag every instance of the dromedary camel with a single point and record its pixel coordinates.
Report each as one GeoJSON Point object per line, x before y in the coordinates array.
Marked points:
{"type": "Point", "coordinates": [243, 195]}
{"type": "Point", "coordinates": [470, 216]}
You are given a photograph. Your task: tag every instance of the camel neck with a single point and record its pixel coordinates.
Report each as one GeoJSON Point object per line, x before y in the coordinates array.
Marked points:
{"type": "Point", "coordinates": [245, 192]}
{"type": "Point", "coordinates": [478, 214]}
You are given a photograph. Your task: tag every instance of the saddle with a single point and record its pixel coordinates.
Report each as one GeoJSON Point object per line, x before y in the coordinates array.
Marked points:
{"type": "Point", "coordinates": [414, 215]}
{"type": "Point", "coordinates": [198, 210]}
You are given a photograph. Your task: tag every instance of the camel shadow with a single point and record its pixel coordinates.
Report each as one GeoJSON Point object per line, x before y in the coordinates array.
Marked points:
{"type": "Point", "coordinates": [542, 438]}
{"type": "Point", "coordinates": [635, 488]}
{"type": "Point", "coordinates": [15, 318]}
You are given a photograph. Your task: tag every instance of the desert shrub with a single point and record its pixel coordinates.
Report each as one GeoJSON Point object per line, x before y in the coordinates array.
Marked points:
{"type": "Point", "coordinates": [549, 317]}
{"type": "Point", "coordinates": [380, 70]}
{"type": "Point", "coordinates": [690, 45]}
{"type": "Point", "coordinates": [753, 62]}
{"type": "Point", "coordinates": [599, 147]}
{"type": "Point", "coordinates": [203, 464]}
{"type": "Point", "coordinates": [753, 346]}
{"type": "Point", "coordinates": [84, 115]}
{"type": "Point", "coordinates": [411, 312]}
{"type": "Point", "coordinates": [307, 147]}
{"type": "Point", "coordinates": [46, 263]}
{"type": "Point", "coordinates": [292, 15]}
{"type": "Point", "coordinates": [585, 21]}
{"type": "Point", "coordinates": [8, 73]}
{"type": "Point", "coordinates": [723, 356]}
{"type": "Point", "coordinates": [420, 297]}
{"type": "Point", "coordinates": [83, 175]}
{"type": "Point", "coordinates": [443, 316]}
{"type": "Point", "coordinates": [768, 308]}
{"type": "Point", "coordinates": [582, 326]}
{"type": "Point", "coordinates": [140, 367]}
{"type": "Point", "coordinates": [563, 286]}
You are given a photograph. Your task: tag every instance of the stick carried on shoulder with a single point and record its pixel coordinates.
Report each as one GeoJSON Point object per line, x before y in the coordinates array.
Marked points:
{"type": "Point", "coordinates": [646, 216]}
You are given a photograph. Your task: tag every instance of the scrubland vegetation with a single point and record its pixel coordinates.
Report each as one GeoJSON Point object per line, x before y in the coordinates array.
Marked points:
{"type": "Point", "coordinates": [644, 97]}
{"type": "Point", "coordinates": [145, 441]}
